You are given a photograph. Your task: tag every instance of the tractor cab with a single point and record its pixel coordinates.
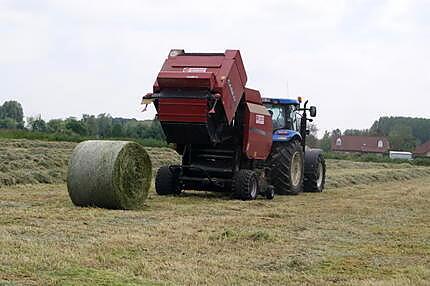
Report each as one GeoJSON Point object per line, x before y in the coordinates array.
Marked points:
{"type": "Point", "coordinates": [285, 117]}
{"type": "Point", "coordinates": [284, 113]}
{"type": "Point", "coordinates": [287, 121]}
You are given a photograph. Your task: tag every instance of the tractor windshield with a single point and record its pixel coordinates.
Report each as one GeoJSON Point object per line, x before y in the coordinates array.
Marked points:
{"type": "Point", "coordinates": [282, 116]}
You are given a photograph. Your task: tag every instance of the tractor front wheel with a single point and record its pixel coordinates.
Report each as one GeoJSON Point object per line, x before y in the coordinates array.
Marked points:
{"type": "Point", "coordinates": [314, 171]}
{"type": "Point", "coordinates": [286, 163]}
{"type": "Point", "coordinates": [245, 185]}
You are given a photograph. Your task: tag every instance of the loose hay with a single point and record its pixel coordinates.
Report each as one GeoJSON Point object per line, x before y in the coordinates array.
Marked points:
{"type": "Point", "coordinates": [109, 174]}
{"type": "Point", "coordinates": [33, 161]}
{"type": "Point", "coordinates": [25, 161]}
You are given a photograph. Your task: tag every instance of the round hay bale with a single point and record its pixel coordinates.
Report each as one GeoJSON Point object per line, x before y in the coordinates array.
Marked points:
{"type": "Point", "coordinates": [109, 174]}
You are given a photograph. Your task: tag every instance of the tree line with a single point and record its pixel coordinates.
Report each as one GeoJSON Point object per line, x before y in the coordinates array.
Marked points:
{"type": "Point", "coordinates": [403, 133]}
{"type": "Point", "coordinates": [100, 126]}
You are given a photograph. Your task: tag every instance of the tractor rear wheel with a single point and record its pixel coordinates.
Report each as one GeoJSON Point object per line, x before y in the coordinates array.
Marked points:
{"type": "Point", "coordinates": [245, 185]}
{"type": "Point", "coordinates": [314, 172]}
{"type": "Point", "coordinates": [166, 182]}
{"type": "Point", "coordinates": [286, 162]}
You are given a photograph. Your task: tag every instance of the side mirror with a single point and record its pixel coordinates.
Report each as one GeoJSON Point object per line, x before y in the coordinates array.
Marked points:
{"type": "Point", "coordinates": [313, 111]}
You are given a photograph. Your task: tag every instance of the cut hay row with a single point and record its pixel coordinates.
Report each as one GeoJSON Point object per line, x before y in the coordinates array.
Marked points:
{"type": "Point", "coordinates": [347, 165]}
{"type": "Point", "coordinates": [31, 161]}
{"type": "Point", "coordinates": [374, 176]}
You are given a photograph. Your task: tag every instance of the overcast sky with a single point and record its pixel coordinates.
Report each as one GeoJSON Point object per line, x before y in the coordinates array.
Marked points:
{"type": "Point", "coordinates": [354, 60]}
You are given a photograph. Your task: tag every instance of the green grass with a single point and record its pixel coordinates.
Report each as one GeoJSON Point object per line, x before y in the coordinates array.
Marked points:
{"type": "Point", "coordinates": [60, 137]}
{"type": "Point", "coordinates": [25, 161]}
{"type": "Point", "coordinates": [35, 161]}
{"type": "Point", "coordinates": [370, 227]}
{"type": "Point", "coordinates": [419, 161]}
{"type": "Point", "coordinates": [367, 235]}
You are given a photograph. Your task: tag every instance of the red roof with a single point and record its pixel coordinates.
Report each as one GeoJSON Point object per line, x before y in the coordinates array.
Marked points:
{"type": "Point", "coordinates": [423, 148]}
{"type": "Point", "coordinates": [368, 144]}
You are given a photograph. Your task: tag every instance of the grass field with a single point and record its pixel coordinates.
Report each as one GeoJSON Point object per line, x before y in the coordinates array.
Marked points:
{"type": "Point", "coordinates": [33, 161]}
{"type": "Point", "coordinates": [371, 227]}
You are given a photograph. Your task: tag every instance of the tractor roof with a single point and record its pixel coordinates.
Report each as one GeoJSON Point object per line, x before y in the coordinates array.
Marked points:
{"type": "Point", "coordinates": [280, 100]}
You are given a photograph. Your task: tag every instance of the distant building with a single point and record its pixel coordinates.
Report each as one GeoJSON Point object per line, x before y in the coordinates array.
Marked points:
{"type": "Point", "coordinates": [401, 155]}
{"type": "Point", "coordinates": [360, 144]}
{"type": "Point", "coordinates": [423, 150]}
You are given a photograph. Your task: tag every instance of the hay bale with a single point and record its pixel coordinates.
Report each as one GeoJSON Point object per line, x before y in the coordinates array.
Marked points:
{"type": "Point", "coordinates": [109, 174]}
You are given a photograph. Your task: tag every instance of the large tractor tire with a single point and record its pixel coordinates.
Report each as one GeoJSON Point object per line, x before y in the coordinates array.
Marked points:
{"type": "Point", "coordinates": [315, 168]}
{"type": "Point", "coordinates": [286, 162]}
{"type": "Point", "coordinates": [166, 182]}
{"type": "Point", "coordinates": [245, 185]}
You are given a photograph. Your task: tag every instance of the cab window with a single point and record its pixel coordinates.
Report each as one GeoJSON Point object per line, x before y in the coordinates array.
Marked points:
{"type": "Point", "coordinates": [278, 116]}
{"type": "Point", "coordinates": [283, 116]}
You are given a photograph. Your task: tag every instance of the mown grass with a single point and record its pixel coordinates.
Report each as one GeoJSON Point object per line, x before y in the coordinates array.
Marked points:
{"type": "Point", "coordinates": [376, 158]}
{"type": "Point", "coordinates": [34, 161]}
{"type": "Point", "coordinates": [363, 235]}
{"type": "Point", "coordinates": [371, 227]}
{"type": "Point", "coordinates": [62, 137]}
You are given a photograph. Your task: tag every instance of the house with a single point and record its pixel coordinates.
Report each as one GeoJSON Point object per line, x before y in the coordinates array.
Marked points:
{"type": "Point", "coordinates": [360, 144]}
{"type": "Point", "coordinates": [423, 150]}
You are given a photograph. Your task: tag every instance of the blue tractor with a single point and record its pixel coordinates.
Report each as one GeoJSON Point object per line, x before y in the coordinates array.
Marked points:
{"type": "Point", "coordinates": [294, 166]}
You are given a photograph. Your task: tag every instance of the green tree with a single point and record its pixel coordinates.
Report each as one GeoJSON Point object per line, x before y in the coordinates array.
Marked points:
{"type": "Point", "coordinates": [104, 125]}
{"type": "Point", "coordinates": [401, 138]}
{"type": "Point", "coordinates": [311, 139]}
{"type": "Point", "coordinates": [154, 131]}
{"type": "Point", "coordinates": [117, 130]}
{"type": "Point", "coordinates": [37, 124]}
{"type": "Point", "coordinates": [356, 132]}
{"type": "Point", "coordinates": [76, 126]}
{"type": "Point", "coordinates": [420, 127]}
{"type": "Point", "coordinates": [90, 122]}
{"type": "Point", "coordinates": [336, 132]}
{"type": "Point", "coordinates": [56, 126]}
{"type": "Point", "coordinates": [12, 109]}
{"type": "Point", "coordinates": [325, 142]}
{"type": "Point", "coordinates": [8, 123]}
{"type": "Point", "coordinates": [131, 129]}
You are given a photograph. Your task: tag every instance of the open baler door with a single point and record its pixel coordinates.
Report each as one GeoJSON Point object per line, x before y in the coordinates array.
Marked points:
{"type": "Point", "coordinates": [197, 94]}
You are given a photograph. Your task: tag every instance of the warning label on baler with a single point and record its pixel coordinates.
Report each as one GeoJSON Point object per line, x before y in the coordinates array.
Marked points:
{"type": "Point", "coordinates": [259, 119]}
{"type": "Point", "coordinates": [194, 69]}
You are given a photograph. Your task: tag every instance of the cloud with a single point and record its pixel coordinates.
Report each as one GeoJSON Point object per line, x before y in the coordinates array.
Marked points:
{"type": "Point", "coordinates": [356, 60]}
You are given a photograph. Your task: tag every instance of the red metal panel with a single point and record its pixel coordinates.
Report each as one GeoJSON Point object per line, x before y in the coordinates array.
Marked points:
{"type": "Point", "coordinates": [176, 79]}
{"type": "Point", "coordinates": [232, 89]}
{"type": "Point", "coordinates": [235, 55]}
{"type": "Point", "coordinates": [257, 141]}
{"type": "Point", "coordinates": [221, 73]}
{"type": "Point", "coordinates": [183, 110]}
{"type": "Point", "coordinates": [253, 96]}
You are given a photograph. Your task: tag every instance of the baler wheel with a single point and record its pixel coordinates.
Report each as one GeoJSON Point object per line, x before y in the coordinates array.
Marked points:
{"type": "Point", "coordinates": [166, 182]}
{"type": "Point", "coordinates": [245, 185]}
{"type": "Point", "coordinates": [287, 170]}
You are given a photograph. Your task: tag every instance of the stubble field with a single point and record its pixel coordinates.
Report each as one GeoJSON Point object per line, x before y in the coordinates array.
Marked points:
{"type": "Point", "coordinates": [371, 226]}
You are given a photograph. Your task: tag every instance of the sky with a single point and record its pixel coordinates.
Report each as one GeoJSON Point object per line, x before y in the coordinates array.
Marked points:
{"type": "Point", "coordinates": [354, 60]}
